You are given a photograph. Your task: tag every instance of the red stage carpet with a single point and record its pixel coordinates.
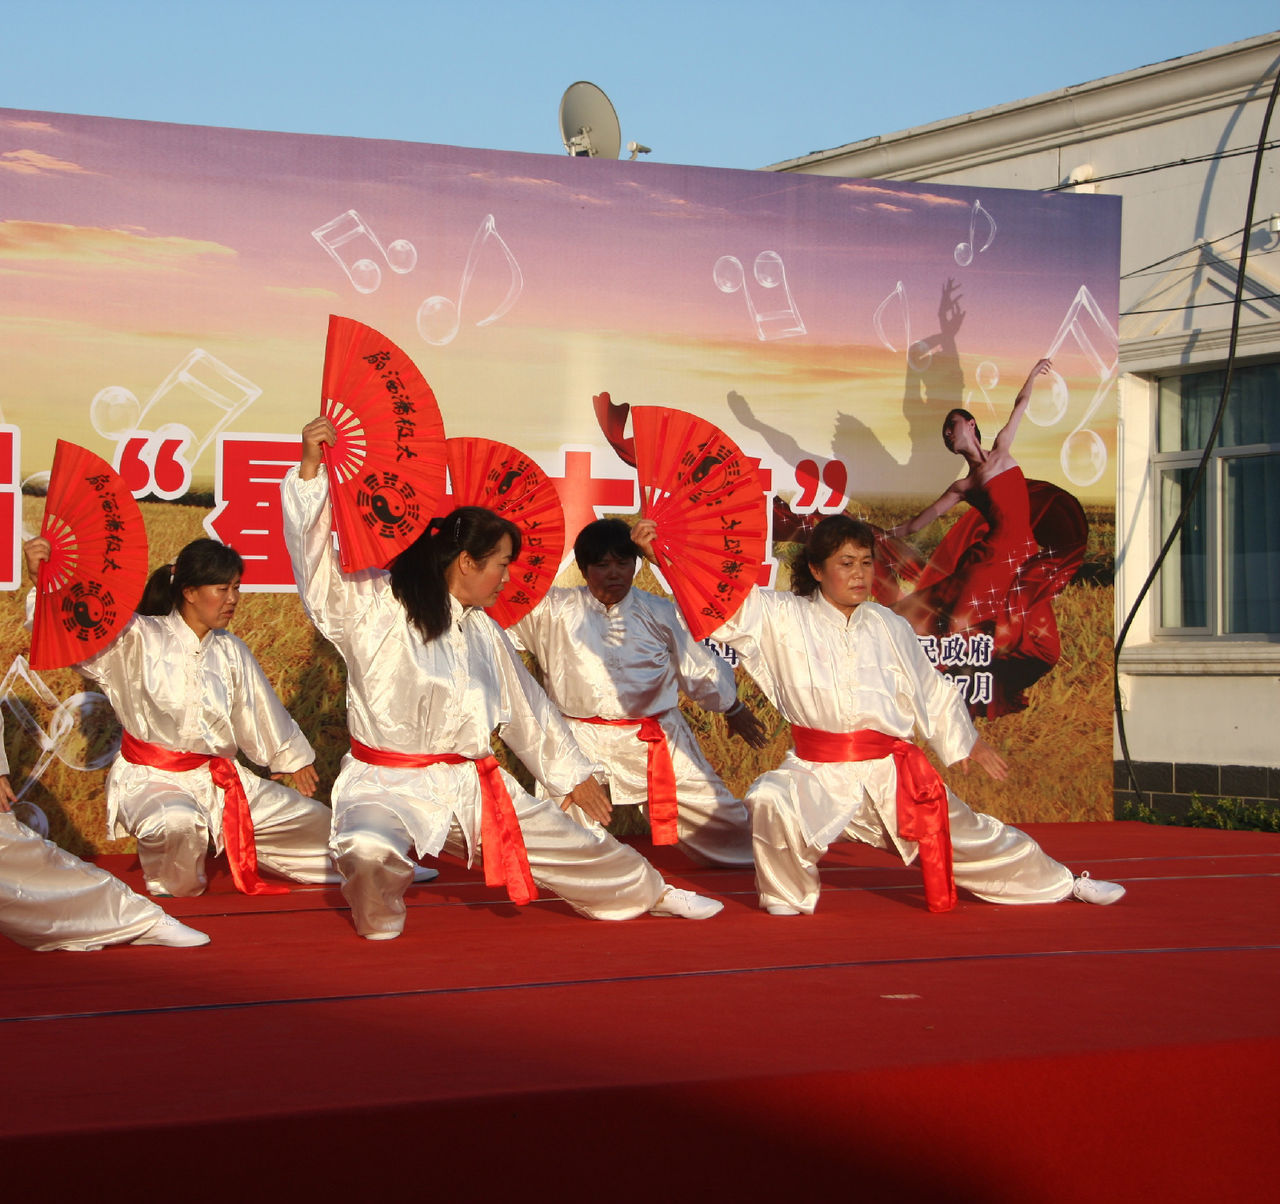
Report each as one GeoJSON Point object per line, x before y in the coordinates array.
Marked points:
{"type": "Point", "coordinates": [872, 1051]}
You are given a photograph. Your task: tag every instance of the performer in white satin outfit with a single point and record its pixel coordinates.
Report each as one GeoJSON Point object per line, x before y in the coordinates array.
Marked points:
{"type": "Point", "coordinates": [52, 900]}
{"type": "Point", "coordinates": [414, 697]}
{"type": "Point", "coordinates": [610, 653]}
{"type": "Point", "coordinates": [180, 683]}
{"type": "Point", "coordinates": [835, 663]}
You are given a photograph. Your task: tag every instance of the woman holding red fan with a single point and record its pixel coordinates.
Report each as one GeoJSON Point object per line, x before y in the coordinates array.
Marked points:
{"type": "Point", "coordinates": [851, 678]}
{"type": "Point", "coordinates": [430, 677]}
{"type": "Point", "coordinates": [190, 695]}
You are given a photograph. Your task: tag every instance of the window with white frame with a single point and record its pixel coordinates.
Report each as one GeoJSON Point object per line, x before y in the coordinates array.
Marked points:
{"type": "Point", "coordinates": [1222, 574]}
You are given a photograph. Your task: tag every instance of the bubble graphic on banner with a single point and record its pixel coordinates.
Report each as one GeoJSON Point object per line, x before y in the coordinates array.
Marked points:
{"type": "Point", "coordinates": [1048, 401]}
{"type": "Point", "coordinates": [114, 411]}
{"type": "Point", "coordinates": [1083, 456]}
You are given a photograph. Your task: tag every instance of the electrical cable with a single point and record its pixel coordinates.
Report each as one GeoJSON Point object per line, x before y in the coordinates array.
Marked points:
{"type": "Point", "coordinates": [1154, 167]}
{"type": "Point", "coordinates": [1198, 479]}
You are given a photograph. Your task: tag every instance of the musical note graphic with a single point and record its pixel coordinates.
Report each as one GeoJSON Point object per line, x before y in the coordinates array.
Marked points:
{"type": "Point", "coordinates": [986, 378]}
{"type": "Point", "coordinates": [1083, 454]}
{"type": "Point", "coordinates": [152, 449]}
{"type": "Point", "coordinates": [964, 250]}
{"type": "Point", "coordinates": [439, 318]}
{"type": "Point", "coordinates": [363, 272]}
{"type": "Point", "coordinates": [920, 354]}
{"type": "Point", "coordinates": [783, 322]}
{"type": "Point", "coordinates": [72, 716]}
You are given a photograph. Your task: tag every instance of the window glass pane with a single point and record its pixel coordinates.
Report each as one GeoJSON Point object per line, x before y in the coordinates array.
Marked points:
{"type": "Point", "coordinates": [1188, 405]}
{"type": "Point", "coordinates": [1252, 544]}
{"type": "Point", "coordinates": [1183, 584]}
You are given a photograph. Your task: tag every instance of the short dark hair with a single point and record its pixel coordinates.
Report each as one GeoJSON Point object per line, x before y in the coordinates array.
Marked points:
{"type": "Point", "coordinates": [602, 538]}
{"type": "Point", "coordinates": [418, 573]}
{"type": "Point", "coordinates": [827, 538]}
{"type": "Point", "coordinates": [977, 434]}
{"type": "Point", "coordinates": [201, 562]}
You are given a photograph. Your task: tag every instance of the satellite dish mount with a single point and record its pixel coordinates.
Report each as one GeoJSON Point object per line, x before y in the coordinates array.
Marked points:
{"type": "Point", "coordinates": [589, 126]}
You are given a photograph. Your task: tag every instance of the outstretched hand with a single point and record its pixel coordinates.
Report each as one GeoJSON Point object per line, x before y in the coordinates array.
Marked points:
{"type": "Point", "coordinates": [1039, 368]}
{"type": "Point", "coordinates": [315, 435]}
{"type": "Point", "coordinates": [591, 797]}
{"type": "Point", "coordinates": [744, 724]}
{"type": "Point", "coordinates": [305, 780]}
{"type": "Point", "coordinates": [988, 759]}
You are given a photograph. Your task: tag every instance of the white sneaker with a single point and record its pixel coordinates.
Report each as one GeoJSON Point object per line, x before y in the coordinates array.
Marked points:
{"type": "Point", "coordinates": [1093, 890]}
{"type": "Point", "coordinates": [686, 905]}
{"type": "Point", "coordinates": [782, 909]}
{"type": "Point", "coordinates": [424, 873]}
{"type": "Point", "coordinates": [168, 931]}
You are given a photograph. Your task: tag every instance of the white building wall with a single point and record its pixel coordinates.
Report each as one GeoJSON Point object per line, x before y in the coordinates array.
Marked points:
{"type": "Point", "coordinates": [1160, 137]}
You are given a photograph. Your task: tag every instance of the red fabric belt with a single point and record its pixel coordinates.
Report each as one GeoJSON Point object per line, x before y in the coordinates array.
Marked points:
{"type": "Point", "coordinates": [499, 827]}
{"type": "Point", "coordinates": [922, 797]}
{"type": "Point", "coordinates": [660, 772]}
{"type": "Point", "coordinates": [237, 824]}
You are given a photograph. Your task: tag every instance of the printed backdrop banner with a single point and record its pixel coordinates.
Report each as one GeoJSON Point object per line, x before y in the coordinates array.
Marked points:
{"type": "Point", "coordinates": [165, 297]}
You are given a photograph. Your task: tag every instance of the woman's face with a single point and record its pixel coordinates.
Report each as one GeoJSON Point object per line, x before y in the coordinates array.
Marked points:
{"type": "Point", "coordinates": [208, 608]}
{"type": "Point", "coordinates": [479, 582]}
{"type": "Point", "coordinates": [958, 432]}
{"type": "Point", "coordinates": [846, 576]}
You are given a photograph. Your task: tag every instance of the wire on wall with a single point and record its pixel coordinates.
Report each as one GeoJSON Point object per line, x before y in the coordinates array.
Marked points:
{"type": "Point", "coordinates": [1197, 480]}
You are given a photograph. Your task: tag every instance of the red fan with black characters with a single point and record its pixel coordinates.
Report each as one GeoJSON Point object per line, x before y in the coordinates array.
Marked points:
{"type": "Point", "coordinates": [506, 481]}
{"type": "Point", "coordinates": [707, 500]}
{"type": "Point", "coordinates": [93, 580]}
{"type": "Point", "coordinates": [387, 469]}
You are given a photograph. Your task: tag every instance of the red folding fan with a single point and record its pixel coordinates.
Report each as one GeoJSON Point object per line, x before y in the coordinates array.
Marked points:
{"type": "Point", "coordinates": [506, 481]}
{"type": "Point", "coordinates": [93, 580]}
{"type": "Point", "coordinates": [387, 469]}
{"type": "Point", "coordinates": [709, 505]}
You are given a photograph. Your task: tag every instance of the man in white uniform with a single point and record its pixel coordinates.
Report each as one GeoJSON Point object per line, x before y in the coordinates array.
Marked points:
{"type": "Point", "coordinates": [614, 660]}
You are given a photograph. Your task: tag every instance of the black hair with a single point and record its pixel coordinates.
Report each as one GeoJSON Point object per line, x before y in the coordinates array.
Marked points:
{"type": "Point", "coordinates": [977, 434]}
{"type": "Point", "coordinates": [201, 562]}
{"type": "Point", "coordinates": [603, 538]}
{"type": "Point", "coordinates": [827, 538]}
{"type": "Point", "coordinates": [418, 573]}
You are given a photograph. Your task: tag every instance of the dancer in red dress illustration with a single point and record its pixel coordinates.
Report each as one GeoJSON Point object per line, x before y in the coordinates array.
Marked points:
{"type": "Point", "coordinates": [998, 569]}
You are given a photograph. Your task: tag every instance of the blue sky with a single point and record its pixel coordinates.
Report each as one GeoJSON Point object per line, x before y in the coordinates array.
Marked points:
{"type": "Point", "coordinates": [741, 83]}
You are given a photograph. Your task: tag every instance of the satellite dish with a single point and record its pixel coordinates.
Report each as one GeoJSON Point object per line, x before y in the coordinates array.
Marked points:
{"type": "Point", "coordinates": [588, 125]}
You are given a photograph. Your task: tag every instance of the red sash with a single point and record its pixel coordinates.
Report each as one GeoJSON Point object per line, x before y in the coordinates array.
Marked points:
{"type": "Point", "coordinates": [237, 824]}
{"type": "Point", "coordinates": [660, 772]}
{"type": "Point", "coordinates": [499, 827]}
{"type": "Point", "coordinates": [922, 797]}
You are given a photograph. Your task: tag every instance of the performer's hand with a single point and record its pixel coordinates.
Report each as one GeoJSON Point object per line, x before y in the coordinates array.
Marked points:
{"type": "Point", "coordinates": [305, 780]}
{"type": "Point", "coordinates": [7, 797]}
{"type": "Point", "coordinates": [1039, 369]}
{"type": "Point", "coordinates": [642, 535]}
{"type": "Point", "coordinates": [743, 723]}
{"type": "Point", "coordinates": [990, 760]}
{"type": "Point", "coordinates": [593, 800]}
{"type": "Point", "coordinates": [315, 434]}
{"type": "Point", "coordinates": [36, 552]}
